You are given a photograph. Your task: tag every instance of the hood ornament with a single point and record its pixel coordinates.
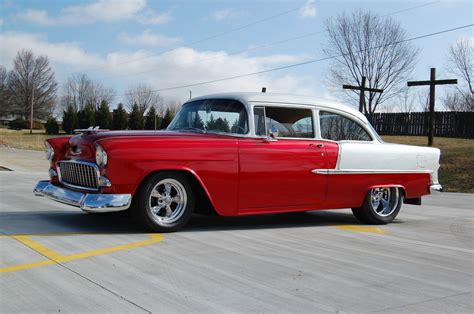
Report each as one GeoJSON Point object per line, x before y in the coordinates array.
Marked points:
{"type": "Point", "coordinates": [90, 130]}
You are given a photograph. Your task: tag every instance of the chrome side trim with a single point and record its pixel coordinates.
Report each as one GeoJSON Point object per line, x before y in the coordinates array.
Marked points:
{"type": "Point", "coordinates": [94, 203]}
{"type": "Point", "coordinates": [436, 188]}
{"type": "Point", "coordinates": [366, 171]}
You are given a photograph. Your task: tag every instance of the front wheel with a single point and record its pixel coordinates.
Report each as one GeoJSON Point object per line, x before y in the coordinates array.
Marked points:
{"type": "Point", "coordinates": [165, 202]}
{"type": "Point", "coordinates": [381, 206]}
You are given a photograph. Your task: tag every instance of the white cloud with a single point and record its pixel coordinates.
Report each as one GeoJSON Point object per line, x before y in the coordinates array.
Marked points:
{"type": "Point", "coordinates": [147, 38]}
{"type": "Point", "coordinates": [153, 18]}
{"type": "Point", "coordinates": [308, 9]}
{"type": "Point", "coordinates": [225, 14]}
{"type": "Point", "coordinates": [65, 53]}
{"type": "Point", "coordinates": [178, 67]}
{"type": "Point", "coordinates": [98, 11]}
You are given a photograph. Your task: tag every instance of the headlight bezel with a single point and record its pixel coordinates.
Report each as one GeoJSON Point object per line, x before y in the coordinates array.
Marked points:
{"type": "Point", "coordinates": [49, 151]}
{"type": "Point", "coordinates": [100, 156]}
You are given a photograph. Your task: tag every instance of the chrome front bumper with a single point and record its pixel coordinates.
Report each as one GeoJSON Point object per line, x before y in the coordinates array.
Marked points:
{"type": "Point", "coordinates": [436, 188]}
{"type": "Point", "coordinates": [93, 203]}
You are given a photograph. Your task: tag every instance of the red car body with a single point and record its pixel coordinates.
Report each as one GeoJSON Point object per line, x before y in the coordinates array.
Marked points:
{"type": "Point", "coordinates": [242, 175]}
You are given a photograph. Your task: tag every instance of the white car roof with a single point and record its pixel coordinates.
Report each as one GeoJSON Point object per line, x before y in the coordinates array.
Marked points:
{"type": "Point", "coordinates": [289, 99]}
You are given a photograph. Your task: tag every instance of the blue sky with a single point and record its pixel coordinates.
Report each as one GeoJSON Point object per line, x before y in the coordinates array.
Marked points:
{"type": "Point", "coordinates": [124, 43]}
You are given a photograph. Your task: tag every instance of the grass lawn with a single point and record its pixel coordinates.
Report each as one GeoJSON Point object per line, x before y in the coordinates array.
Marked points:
{"type": "Point", "coordinates": [457, 155]}
{"type": "Point", "coordinates": [23, 139]}
{"type": "Point", "coordinates": [456, 173]}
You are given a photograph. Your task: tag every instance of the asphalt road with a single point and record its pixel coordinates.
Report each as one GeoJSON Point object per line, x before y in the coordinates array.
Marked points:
{"type": "Point", "coordinates": [55, 258]}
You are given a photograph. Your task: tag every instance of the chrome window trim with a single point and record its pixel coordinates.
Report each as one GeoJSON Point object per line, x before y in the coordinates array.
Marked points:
{"type": "Point", "coordinates": [87, 163]}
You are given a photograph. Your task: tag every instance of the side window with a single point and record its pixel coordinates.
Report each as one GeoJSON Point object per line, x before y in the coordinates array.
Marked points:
{"type": "Point", "coordinates": [339, 128]}
{"type": "Point", "coordinates": [284, 122]}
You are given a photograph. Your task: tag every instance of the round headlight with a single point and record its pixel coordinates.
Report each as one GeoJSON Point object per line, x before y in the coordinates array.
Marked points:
{"type": "Point", "coordinates": [49, 152]}
{"type": "Point", "coordinates": [100, 156]}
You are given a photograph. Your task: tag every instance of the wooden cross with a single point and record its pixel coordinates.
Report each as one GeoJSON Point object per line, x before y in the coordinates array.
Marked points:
{"type": "Point", "coordinates": [432, 83]}
{"type": "Point", "coordinates": [362, 88]}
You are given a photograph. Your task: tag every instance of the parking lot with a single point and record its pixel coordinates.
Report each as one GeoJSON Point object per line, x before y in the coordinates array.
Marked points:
{"type": "Point", "coordinates": [56, 258]}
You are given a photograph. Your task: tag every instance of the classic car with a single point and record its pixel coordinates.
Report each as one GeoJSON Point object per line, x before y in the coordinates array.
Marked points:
{"type": "Point", "coordinates": [241, 154]}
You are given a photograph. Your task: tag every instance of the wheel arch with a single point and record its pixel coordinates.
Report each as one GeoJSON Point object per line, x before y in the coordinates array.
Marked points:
{"type": "Point", "coordinates": [203, 196]}
{"type": "Point", "coordinates": [400, 186]}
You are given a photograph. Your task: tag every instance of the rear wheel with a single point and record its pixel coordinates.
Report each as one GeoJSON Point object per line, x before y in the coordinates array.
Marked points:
{"type": "Point", "coordinates": [381, 206]}
{"type": "Point", "coordinates": [165, 202]}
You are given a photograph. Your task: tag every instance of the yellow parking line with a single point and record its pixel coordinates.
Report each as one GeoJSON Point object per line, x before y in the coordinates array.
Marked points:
{"type": "Point", "coordinates": [361, 229]}
{"type": "Point", "coordinates": [35, 246]}
{"type": "Point", "coordinates": [9, 269]}
{"type": "Point", "coordinates": [54, 258]}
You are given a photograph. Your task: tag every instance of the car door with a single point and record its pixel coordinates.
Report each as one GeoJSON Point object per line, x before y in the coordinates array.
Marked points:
{"type": "Point", "coordinates": [276, 172]}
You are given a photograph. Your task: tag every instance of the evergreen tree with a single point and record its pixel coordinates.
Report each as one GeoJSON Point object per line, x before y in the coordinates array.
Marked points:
{"type": "Point", "coordinates": [135, 120]}
{"type": "Point", "coordinates": [219, 124]}
{"type": "Point", "coordinates": [167, 118]}
{"type": "Point", "coordinates": [86, 117]}
{"type": "Point", "coordinates": [102, 116]}
{"type": "Point", "coordinates": [151, 118]}
{"type": "Point", "coordinates": [120, 121]}
{"type": "Point", "coordinates": [69, 119]}
{"type": "Point", "coordinates": [52, 126]}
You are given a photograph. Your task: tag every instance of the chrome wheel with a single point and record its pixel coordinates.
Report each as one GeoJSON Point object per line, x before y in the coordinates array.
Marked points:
{"type": "Point", "coordinates": [167, 202]}
{"type": "Point", "coordinates": [384, 201]}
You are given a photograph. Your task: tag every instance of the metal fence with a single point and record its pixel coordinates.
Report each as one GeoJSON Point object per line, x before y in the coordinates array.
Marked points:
{"type": "Point", "coordinates": [447, 124]}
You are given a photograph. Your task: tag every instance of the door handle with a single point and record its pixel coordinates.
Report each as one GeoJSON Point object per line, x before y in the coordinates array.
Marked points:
{"type": "Point", "coordinates": [316, 145]}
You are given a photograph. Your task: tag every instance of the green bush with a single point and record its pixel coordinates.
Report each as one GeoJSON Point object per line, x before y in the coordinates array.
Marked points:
{"type": "Point", "coordinates": [19, 124]}
{"type": "Point", "coordinates": [52, 126]}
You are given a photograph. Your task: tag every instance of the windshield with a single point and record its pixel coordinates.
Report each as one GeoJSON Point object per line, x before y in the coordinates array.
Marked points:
{"type": "Point", "coordinates": [211, 116]}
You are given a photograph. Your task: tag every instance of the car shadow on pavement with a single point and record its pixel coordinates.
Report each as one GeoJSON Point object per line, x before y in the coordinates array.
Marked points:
{"type": "Point", "coordinates": [269, 221]}
{"type": "Point", "coordinates": [58, 222]}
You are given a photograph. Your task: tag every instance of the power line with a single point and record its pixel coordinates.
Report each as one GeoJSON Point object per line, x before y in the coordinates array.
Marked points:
{"type": "Point", "coordinates": [232, 30]}
{"type": "Point", "coordinates": [279, 42]}
{"type": "Point", "coordinates": [303, 63]}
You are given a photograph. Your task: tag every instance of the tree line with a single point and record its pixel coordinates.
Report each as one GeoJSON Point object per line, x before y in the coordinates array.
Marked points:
{"type": "Point", "coordinates": [118, 119]}
{"type": "Point", "coordinates": [30, 88]}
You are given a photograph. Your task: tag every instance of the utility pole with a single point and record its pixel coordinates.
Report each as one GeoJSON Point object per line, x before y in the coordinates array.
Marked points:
{"type": "Point", "coordinates": [190, 94]}
{"type": "Point", "coordinates": [432, 83]}
{"type": "Point", "coordinates": [32, 102]}
{"type": "Point", "coordinates": [362, 88]}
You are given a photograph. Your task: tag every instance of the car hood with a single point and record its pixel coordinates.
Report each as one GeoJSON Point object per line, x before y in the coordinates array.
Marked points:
{"type": "Point", "coordinates": [82, 146]}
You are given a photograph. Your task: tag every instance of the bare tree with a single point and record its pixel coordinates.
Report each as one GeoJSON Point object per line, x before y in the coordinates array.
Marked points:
{"type": "Point", "coordinates": [461, 64]}
{"type": "Point", "coordinates": [143, 96]}
{"type": "Point", "coordinates": [406, 101]}
{"type": "Point", "coordinates": [4, 94]}
{"type": "Point", "coordinates": [80, 91]}
{"type": "Point", "coordinates": [173, 105]}
{"type": "Point", "coordinates": [30, 73]}
{"type": "Point", "coordinates": [365, 44]}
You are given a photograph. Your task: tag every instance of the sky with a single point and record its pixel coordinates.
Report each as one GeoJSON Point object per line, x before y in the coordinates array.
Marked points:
{"type": "Point", "coordinates": [166, 44]}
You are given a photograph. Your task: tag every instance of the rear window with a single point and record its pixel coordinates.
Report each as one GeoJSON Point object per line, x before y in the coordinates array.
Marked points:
{"type": "Point", "coordinates": [339, 128]}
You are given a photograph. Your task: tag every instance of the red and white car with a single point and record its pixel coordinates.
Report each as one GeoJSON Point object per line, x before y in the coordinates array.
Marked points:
{"type": "Point", "coordinates": [241, 154]}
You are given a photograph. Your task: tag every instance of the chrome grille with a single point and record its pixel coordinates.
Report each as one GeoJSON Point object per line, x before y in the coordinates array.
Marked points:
{"type": "Point", "coordinates": [79, 174]}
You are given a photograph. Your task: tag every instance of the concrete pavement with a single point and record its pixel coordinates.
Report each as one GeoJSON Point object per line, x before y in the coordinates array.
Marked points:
{"type": "Point", "coordinates": [322, 261]}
